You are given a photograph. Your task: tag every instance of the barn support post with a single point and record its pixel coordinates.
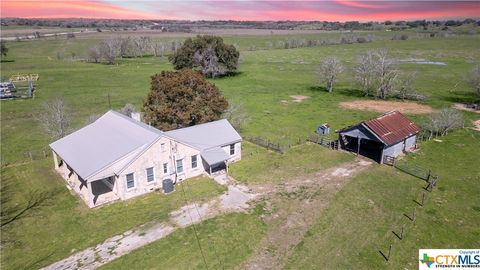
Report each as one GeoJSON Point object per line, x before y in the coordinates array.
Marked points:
{"type": "Point", "coordinates": [358, 146]}
{"type": "Point", "coordinates": [55, 160]}
{"type": "Point", "coordinates": [91, 197]}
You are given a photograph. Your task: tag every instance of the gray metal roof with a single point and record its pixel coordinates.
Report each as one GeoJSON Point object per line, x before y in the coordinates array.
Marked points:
{"type": "Point", "coordinates": [206, 136]}
{"type": "Point", "coordinates": [214, 155]}
{"type": "Point", "coordinates": [104, 147]}
{"type": "Point", "coordinates": [108, 139]}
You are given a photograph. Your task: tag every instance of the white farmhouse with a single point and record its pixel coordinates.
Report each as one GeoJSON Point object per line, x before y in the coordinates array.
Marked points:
{"type": "Point", "coordinates": [117, 157]}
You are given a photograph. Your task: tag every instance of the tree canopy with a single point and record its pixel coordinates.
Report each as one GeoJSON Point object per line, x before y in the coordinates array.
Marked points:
{"type": "Point", "coordinates": [182, 98]}
{"type": "Point", "coordinates": [208, 54]}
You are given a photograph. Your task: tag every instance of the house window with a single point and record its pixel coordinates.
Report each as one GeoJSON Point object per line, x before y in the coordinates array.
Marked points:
{"type": "Point", "coordinates": [150, 175]}
{"type": "Point", "coordinates": [130, 181]}
{"type": "Point", "coordinates": [165, 168]}
{"type": "Point", "coordinates": [162, 147]}
{"type": "Point", "coordinates": [194, 161]}
{"type": "Point", "coordinates": [179, 165]}
{"type": "Point", "coordinates": [232, 149]}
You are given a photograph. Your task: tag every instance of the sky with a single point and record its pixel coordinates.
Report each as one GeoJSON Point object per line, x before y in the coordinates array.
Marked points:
{"type": "Point", "coordinates": [249, 10]}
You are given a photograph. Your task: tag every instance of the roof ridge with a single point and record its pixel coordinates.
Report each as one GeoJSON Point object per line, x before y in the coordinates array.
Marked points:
{"type": "Point", "coordinates": [136, 122]}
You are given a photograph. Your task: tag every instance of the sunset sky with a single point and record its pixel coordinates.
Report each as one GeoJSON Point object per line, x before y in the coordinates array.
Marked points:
{"type": "Point", "coordinates": [334, 10]}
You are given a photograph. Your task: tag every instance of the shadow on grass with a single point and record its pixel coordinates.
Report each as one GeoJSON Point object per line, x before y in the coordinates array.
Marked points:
{"type": "Point", "coordinates": [467, 97]}
{"type": "Point", "coordinates": [339, 91]}
{"type": "Point", "coordinates": [6, 61]}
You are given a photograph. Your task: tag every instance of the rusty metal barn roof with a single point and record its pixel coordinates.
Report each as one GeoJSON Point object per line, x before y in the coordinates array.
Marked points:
{"type": "Point", "coordinates": [392, 127]}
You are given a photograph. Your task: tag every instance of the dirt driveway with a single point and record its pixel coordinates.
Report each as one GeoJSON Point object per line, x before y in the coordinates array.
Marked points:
{"type": "Point", "coordinates": [292, 208]}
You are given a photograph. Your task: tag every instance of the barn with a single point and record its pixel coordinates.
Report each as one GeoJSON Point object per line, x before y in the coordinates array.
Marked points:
{"type": "Point", "coordinates": [382, 138]}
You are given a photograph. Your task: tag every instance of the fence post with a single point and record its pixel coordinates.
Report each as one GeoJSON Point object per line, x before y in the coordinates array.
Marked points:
{"type": "Point", "coordinates": [30, 155]}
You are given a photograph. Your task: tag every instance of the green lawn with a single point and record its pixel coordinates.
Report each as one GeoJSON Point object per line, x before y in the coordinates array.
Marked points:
{"type": "Point", "coordinates": [64, 224]}
{"type": "Point", "coordinates": [226, 241]}
{"type": "Point", "coordinates": [260, 166]}
{"type": "Point", "coordinates": [263, 87]}
{"type": "Point", "coordinates": [359, 221]}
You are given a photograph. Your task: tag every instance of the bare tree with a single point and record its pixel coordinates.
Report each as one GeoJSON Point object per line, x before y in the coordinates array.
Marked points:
{"type": "Point", "coordinates": [386, 74]}
{"type": "Point", "coordinates": [208, 62]}
{"type": "Point", "coordinates": [158, 48]}
{"type": "Point", "coordinates": [329, 70]}
{"type": "Point", "coordinates": [235, 115]}
{"type": "Point", "coordinates": [92, 118]}
{"type": "Point", "coordinates": [406, 88]}
{"type": "Point", "coordinates": [475, 79]}
{"type": "Point", "coordinates": [444, 121]}
{"type": "Point", "coordinates": [109, 50]}
{"type": "Point", "coordinates": [55, 118]}
{"type": "Point", "coordinates": [365, 72]}
{"type": "Point", "coordinates": [127, 110]}
{"type": "Point", "coordinates": [94, 54]}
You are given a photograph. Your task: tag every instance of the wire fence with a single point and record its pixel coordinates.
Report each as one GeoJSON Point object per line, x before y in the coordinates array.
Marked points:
{"type": "Point", "coordinates": [27, 156]}
{"type": "Point", "coordinates": [414, 170]}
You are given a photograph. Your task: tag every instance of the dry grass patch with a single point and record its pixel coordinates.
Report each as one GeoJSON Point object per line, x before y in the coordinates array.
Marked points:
{"type": "Point", "coordinates": [461, 106]}
{"type": "Point", "coordinates": [299, 98]}
{"type": "Point", "coordinates": [476, 125]}
{"type": "Point", "coordinates": [384, 106]}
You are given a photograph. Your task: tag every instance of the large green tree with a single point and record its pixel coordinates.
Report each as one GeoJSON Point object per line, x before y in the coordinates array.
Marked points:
{"type": "Point", "coordinates": [182, 98]}
{"type": "Point", "coordinates": [207, 54]}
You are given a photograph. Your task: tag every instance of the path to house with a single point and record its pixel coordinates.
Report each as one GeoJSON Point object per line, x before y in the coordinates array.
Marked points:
{"type": "Point", "coordinates": [297, 204]}
{"type": "Point", "coordinates": [235, 199]}
{"type": "Point", "coordinates": [292, 208]}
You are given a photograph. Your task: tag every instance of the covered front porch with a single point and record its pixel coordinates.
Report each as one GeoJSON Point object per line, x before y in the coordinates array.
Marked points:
{"type": "Point", "coordinates": [215, 161]}
{"type": "Point", "coordinates": [103, 191]}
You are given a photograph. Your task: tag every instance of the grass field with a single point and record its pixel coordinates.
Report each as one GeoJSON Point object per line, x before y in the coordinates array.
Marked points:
{"type": "Point", "coordinates": [349, 233]}
{"type": "Point", "coordinates": [63, 224]}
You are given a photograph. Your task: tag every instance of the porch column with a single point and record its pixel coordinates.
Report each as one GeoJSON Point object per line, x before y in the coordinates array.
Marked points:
{"type": "Point", "coordinates": [358, 143]}
{"type": "Point", "coordinates": [55, 159]}
{"type": "Point", "coordinates": [90, 195]}
{"type": "Point", "coordinates": [226, 166]}
{"type": "Point", "coordinates": [210, 166]}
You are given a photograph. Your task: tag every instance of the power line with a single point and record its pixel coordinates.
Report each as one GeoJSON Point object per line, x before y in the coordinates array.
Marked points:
{"type": "Point", "coordinates": [220, 262]}
{"type": "Point", "coordinates": [194, 229]}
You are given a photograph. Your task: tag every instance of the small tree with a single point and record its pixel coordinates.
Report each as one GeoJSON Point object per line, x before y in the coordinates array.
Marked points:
{"type": "Point", "coordinates": [406, 86]}
{"type": "Point", "coordinates": [444, 121]}
{"type": "Point", "coordinates": [4, 49]}
{"type": "Point", "coordinates": [329, 70]}
{"type": "Point", "coordinates": [109, 51]}
{"type": "Point", "coordinates": [55, 118]}
{"type": "Point", "coordinates": [182, 98]}
{"type": "Point", "coordinates": [365, 72]}
{"type": "Point", "coordinates": [193, 52]}
{"type": "Point", "coordinates": [475, 79]}
{"type": "Point", "coordinates": [94, 54]}
{"type": "Point", "coordinates": [235, 115]}
{"type": "Point", "coordinates": [386, 74]}
{"type": "Point", "coordinates": [127, 110]}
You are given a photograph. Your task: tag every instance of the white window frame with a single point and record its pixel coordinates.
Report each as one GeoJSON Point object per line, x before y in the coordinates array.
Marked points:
{"type": "Point", "coordinates": [176, 165]}
{"type": "Point", "coordinates": [196, 162]}
{"type": "Point", "coordinates": [162, 147]}
{"type": "Point", "coordinates": [232, 147]}
{"type": "Point", "coordinates": [126, 181]}
{"type": "Point", "coordinates": [153, 173]}
{"type": "Point", "coordinates": [165, 168]}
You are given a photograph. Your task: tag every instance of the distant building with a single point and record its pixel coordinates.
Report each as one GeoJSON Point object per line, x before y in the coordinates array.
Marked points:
{"type": "Point", "coordinates": [388, 135]}
{"type": "Point", "coordinates": [117, 157]}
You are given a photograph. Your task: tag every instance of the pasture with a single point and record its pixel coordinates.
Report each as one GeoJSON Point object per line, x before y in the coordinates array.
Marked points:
{"type": "Point", "coordinates": [351, 229]}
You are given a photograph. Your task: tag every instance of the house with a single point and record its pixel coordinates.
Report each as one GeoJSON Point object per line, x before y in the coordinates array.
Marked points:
{"type": "Point", "coordinates": [118, 158]}
{"type": "Point", "coordinates": [381, 138]}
